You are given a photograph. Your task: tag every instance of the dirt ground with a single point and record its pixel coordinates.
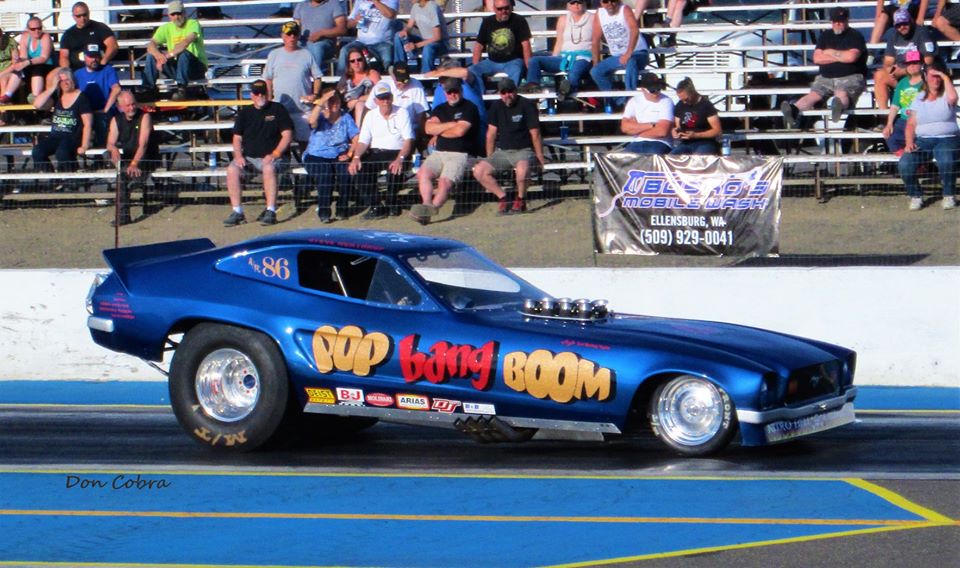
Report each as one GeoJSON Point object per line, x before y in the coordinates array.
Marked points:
{"type": "Point", "coordinates": [847, 230]}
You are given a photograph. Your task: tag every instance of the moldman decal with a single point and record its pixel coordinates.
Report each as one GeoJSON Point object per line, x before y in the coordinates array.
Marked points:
{"type": "Point", "coordinates": [379, 399]}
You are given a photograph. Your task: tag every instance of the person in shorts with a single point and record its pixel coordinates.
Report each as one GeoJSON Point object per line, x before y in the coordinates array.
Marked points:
{"type": "Point", "coordinates": [946, 19]}
{"type": "Point", "coordinates": [513, 140]}
{"type": "Point", "coordinates": [453, 124]}
{"type": "Point", "coordinates": [841, 54]}
{"type": "Point", "coordinates": [261, 137]}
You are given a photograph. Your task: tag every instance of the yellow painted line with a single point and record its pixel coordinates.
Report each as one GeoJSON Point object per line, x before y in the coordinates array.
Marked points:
{"type": "Point", "coordinates": [901, 501]}
{"type": "Point", "coordinates": [741, 546]}
{"type": "Point", "coordinates": [448, 518]}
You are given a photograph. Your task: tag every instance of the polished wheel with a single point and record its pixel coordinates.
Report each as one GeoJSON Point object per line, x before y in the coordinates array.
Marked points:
{"type": "Point", "coordinates": [692, 415]}
{"type": "Point", "coordinates": [228, 385]}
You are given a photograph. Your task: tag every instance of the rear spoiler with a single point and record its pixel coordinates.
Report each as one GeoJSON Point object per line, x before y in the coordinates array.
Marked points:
{"type": "Point", "coordinates": [119, 259]}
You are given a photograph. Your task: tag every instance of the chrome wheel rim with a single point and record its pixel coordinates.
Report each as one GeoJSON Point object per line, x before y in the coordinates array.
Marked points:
{"type": "Point", "coordinates": [228, 385]}
{"type": "Point", "coordinates": [690, 411]}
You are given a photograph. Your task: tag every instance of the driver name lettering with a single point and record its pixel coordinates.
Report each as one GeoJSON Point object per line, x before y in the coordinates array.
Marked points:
{"type": "Point", "coordinates": [562, 377]}
{"type": "Point", "coordinates": [447, 361]}
{"type": "Point", "coordinates": [349, 349]}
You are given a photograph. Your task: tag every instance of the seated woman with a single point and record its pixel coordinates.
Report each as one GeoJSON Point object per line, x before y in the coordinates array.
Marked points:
{"type": "Point", "coordinates": [34, 60]}
{"type": "Point", "coordinates": [357, 82]}
{"type": "Point", "coordinates": [932, 130]}
{"type": "Point", "coordinates": [332, 139]}
{"type": "Point", "coordinates": [696, 123]}
{"type": "Point", "coordinates": [572, 52]}
{"type": "Point", "coordinates": [71, 125]}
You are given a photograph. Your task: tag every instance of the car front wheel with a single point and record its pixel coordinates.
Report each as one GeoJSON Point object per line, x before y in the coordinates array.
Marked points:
{"type": "Point", "coordinates": [692, 416]}
{"type": "Point", "coordinates": [228, 386]}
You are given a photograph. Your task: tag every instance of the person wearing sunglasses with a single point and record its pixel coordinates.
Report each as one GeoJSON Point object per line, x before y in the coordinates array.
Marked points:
{"type": "Point", "coordinates": [71, 125]}
{"type": "Point", "coordinates": [505, 37]}
{"type": "Point", "coordinates": [176, 51]}
{"type": "Point", "coordinates": [907, 37]}
{"type": "Point", "coordinates": [408, 94]}
{"type": "Point", "coordinates": [471, 89]}
{"type": "Point", "coordinates": [262, 134]}
{"type": "Point", "coordinates": [572, 52]}
{"type": "Point", "coordinates": [34, 61]}
{"type": "Point", "coordinates": [357, 82]}
{"type": "Point", "coordinates": [321, 23]}
{"type": "Point", "coordinates": [454, 124]}
{"type": "Point", "coordinates": [886, 12]}
{"type": "Point", "coordinates": [628, 49]}
{"type": "Point", "coordinates": [83, 33]}
{"type": "Point", "coordinates": [293, 79]}
{"type": "Point", "coordinates": [375, 22]}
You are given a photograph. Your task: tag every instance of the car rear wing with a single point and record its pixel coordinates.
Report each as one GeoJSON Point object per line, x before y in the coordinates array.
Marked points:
{"type": "Point", "coordinates": [119, 259]}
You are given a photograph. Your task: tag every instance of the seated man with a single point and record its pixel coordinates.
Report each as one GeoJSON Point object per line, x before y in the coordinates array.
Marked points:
{"type": "Point", "coordinates": [946, 19]}
{"type": "Point", "coordinates": [904, 38]}
{"type": "Point", "coordinates": [453, 124]}
{"type": "Point", "coordinates": [74, 41]}
{"type": "Point", "coordinates": [374, 21]}
{"type": "Point", "coordinates": [101, 87]}
{"type": "Point", "coordinates": [696, 123]}
{"type": "Point", "coordinates": [183, 56]}
{"type": "Point", "coordinates": [628, 50]}
{"type": "Point", "coordinates": [471, 90]}
{"type": "Point", "coordinates": [505, 37]}
{"type": "Point", "coordinates": [321, 23]}
{"type": "Point", "coordinates": [513, 139]}
{"type": "Point", "coordinates": [841, 54]}
{"type": "Point", "coordinates": [431, 38]}
{"type": "Point", "coordinates": [649, 118]}
{"type": "Point", "coordinates": [261, 137]}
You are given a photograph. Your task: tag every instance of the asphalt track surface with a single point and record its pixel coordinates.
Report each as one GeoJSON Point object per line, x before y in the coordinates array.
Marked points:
{"type": "Point", "coordinates": [123, 486]}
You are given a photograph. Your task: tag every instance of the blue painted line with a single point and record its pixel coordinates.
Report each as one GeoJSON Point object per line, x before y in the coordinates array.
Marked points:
{"type": "Point", "coordinates": [155, 393]}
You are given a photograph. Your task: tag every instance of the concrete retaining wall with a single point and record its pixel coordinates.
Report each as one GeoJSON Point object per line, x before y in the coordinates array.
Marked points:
{"type": "Point", "coordinates": [903, 322]}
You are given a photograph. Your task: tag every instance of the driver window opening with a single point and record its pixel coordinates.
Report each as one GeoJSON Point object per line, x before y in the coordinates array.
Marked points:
{"type": "Point", "coordinates": [355, 276]}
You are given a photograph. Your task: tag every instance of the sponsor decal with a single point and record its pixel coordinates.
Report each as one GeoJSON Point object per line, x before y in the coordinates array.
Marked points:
{"type": "Point", "coordinates": [444, 405]}
{"type": "Point", "coordinates": [413, 402]}
{"type": "Point", "coordinates": [448, 361]}
{"type": "Point", "coordinates": [562, 378]}
{"type": "Point", "coordinates": [349, 349]}
{"type": "Point", "coordinates": [350, 396]}
{"type": "Point", "coordinates": [320, 396]}
{"type": "Point", "coordinates": [379, 399]}
{"type": "Point", "coordinates": [479, 408]}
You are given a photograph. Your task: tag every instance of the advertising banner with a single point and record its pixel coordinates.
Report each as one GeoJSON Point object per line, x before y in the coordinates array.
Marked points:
{"type": "Point", "coordinates": [696, 205]}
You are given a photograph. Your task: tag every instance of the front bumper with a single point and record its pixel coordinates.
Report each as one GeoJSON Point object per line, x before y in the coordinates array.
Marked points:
{"type": "Point", "coordinates": [784, 424]}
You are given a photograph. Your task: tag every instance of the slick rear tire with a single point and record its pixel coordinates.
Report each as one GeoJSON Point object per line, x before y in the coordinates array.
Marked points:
{"type": "Point", "coordinates": [692, 416]}
{"type": "Point", "coordinates": [228, 387]}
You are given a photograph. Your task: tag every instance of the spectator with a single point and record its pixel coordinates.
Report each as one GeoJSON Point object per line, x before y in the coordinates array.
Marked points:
{"type": "Point", "coordinates": [946, 19]}
{"type": "Point", "coordinates": [505, 37]}
{"type": "Point", "coordinates": [261, 137]}
{"type": "Point", "coordinates": [431, 38]}
{"type": "Point", "coordinates": [886, 12]}
{"type": "Point", "coordinates": [71, 125]}
{"type": "Point", "coordinates": [407, 92]}
{"type": "Point", "coordinates": [388, 135]}
{"type": "Point", "coordinates": [9, 76]}
{"type": "Point", "coordinates": [133, 148]}
{"type": "Point", "coordinates": [648, 117]}
{"type": "Point", "coordinates": [903, 96]}
{"type": "Point", "coordinates": [513, 139]}
{"type": "Point", "coordinates": [321, 22]}
{"type": "Point", "coordinates": [375, 23]}
{"type": "Point", "coordinates": [101, 86]}
{"type": "Point", "coordinates": [696, 123]}
{"type": "Point", "coordinates": [36, 58]}
{"type": "Point", "coordinates": [470, 89]}
{"type": "Point", "coordinates": [357, 82]}
{"type": "Point", "coordinates": [184, 58]}
{"type": "Point", "coordinates": [932, 130]}
{"type": "Point", "coordinates": [572, 52]}
{"type": "Point", "coordinates": [841, 54]}
{"type": "Point", "coordinates": [331, 148]}
{"type": "Point", "coordinates": [906, 37]}
{"type": "Point", "coordinates": [293, 79]}
{"type": "Point", "coordinates": [454, 124]}
{"type": "Point", "coordinates": [85, 32]}
{"type": "Point", "coordinates": [628, 49]}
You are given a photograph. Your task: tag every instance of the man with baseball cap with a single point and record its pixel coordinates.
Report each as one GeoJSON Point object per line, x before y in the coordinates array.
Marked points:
{"type": "Point", "coordinates": [407, 92]}
{"type": "Point", "coordinates": [293, 79]}
{"type": "Point", "coordinates": [906, 37]}
{"type": "Point", "coordinates": [176, 50]}
{"type": "Point", "coordinates": [648, 117]}
{"type": "Point", "coordinates": [841, 54]}
{"type": "Point", "coordinates": [471, 90]}
{"type": "Point", "coordinates": [101, 86]}
{"type": "Point", "coordinates": [513, 140]}
{"type": "Point", "coordinates": [262, 134]}
{"type": "Point", "coordinates": [385, 141]}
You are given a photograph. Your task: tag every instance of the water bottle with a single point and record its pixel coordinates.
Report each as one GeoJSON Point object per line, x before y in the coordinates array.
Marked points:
{"type": "Point", "coordinates": [608, 108]}
{"type": "Point", "coordinates": [212, 160]}
{"type": "Point", "coordinates": [552, 107]}
{"type": "Point", "coordinates": [411, 55]}
{"type": "Point", "coordinates": [416, 162]}
{"type": "Point", "coordinates": [542, 105]}
{"type": "Point", "coordinates": [564, 131]}
{"type": "Point", "coordinates": [725, 145]}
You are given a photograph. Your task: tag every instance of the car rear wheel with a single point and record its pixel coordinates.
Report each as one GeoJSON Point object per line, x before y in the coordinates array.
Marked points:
{"type": "Point", "coordinates": [692, 415]}
{"type": "Point", "coordinates": [228, 386]}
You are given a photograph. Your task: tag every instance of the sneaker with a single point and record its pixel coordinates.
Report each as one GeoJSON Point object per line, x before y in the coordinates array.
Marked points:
{"type": "Point", "coordinates": [836, 109]}
{"type": "Point", "coordinates": [789, 116]}
{"type": "Point", "coordinates": [503, 207]}
{"type": "Point", "coordinates": [324, 217]}
{"type": "Point", "coordinates": [564, 88]}
{"type": "Point", "coordinates": [179, 95]}
{"type": "Point", "coordinates": [268, 217]}
{"type": "Point", "coordinates": [519, 205]}
{"type": "Point", "coordinates": [916, 203]}
{"type": "Point", "coordinates": [5, 99]}
{"type": "Point", "coordinates": [235, 219]}
{"type": "Point", "coordinates": [422, 219]}
{"type": "Point", "coordinates": [375, 212]}
{"type": "Point", "coordinates": [949, 202]}
{"type": "Point", "coordinates": [529, 88]}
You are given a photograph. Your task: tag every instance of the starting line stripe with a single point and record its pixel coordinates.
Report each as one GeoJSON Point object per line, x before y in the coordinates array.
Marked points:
{"type": "Point", "coordinates": [902, 502]}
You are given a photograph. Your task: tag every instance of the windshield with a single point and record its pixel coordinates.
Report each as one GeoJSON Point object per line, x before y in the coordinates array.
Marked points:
{"type": "Point", "coordinates": [466, 280]}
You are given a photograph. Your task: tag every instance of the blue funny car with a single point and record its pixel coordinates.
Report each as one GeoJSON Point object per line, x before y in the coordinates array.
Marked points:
{"type": "Point", "coordinates": [365, 325]}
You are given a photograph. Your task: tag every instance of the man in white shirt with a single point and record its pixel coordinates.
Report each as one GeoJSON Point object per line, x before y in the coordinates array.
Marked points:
{"type": "Point", "coordinates": [648, 117]}
{"type": "Point", "coordinates": [385, 142]}
{"type": "Point", "coordinates": [375, 22]}
{"type": "Point", "coordinates": [407, 92]}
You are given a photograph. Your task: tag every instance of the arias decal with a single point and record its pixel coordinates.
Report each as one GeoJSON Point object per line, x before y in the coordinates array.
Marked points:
{"type": "Point", "coordinates": [448, 361]}
{"type": "Point", "coordinates": [562, 378]}
{"type": "Point", "coordinates": [349, 350]}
